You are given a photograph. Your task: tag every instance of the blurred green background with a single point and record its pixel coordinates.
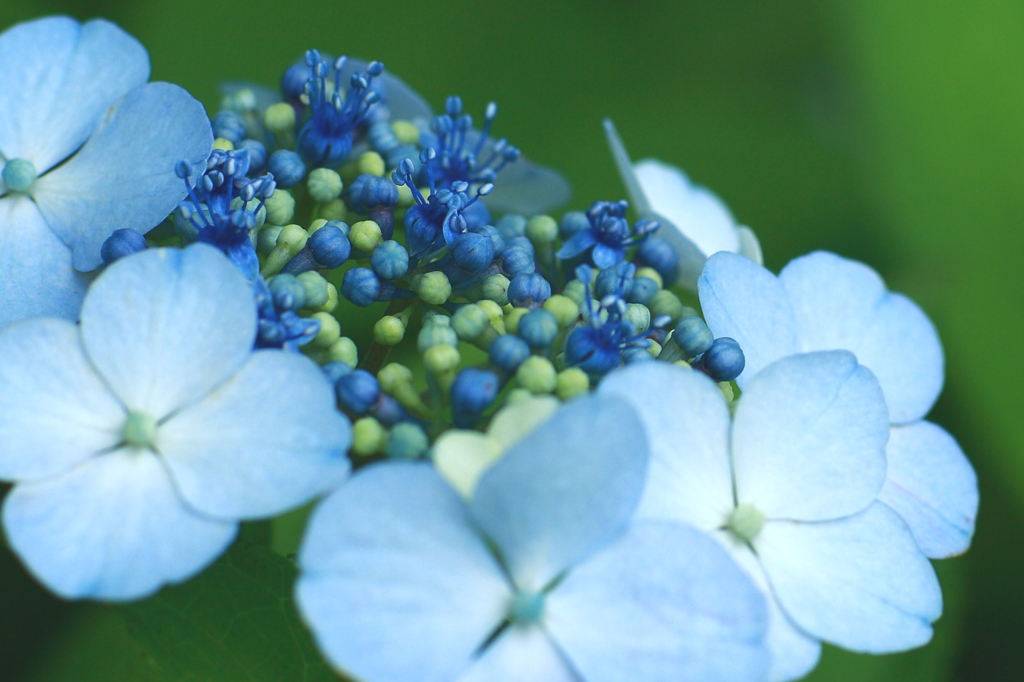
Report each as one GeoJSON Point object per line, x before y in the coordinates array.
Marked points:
{"type": "Point", "coordinates": [890, 132]}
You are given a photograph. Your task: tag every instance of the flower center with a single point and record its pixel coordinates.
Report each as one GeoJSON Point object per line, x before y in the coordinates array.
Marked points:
{"type": "Point", "coordinates": [526, 608]}
{"type": "Point", "coordinates": [19, 174]}
{"type": "Point", "coordinates": [745, 522]}
{"type": "Point", "coordinates": [139, 430]}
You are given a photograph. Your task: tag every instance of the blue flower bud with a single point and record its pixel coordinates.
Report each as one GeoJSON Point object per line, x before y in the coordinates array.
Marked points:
{"type": "Point", "coordinates": [724, 360]}
{"type": "Point", "coordinates": [472, 392]}
{"type": "Point", "coordinates": [518, 261]}
{"type": "Point", "coordinates": [357, 391]}
{"type": "Point", "coordinates": [335, 370]}
{"type": "Point", "coordinates": [476, 215]}
{"type": "Point", "coordinates": [571, 223]}
{"type": "Point", "coordinates": [257, 155]}
{"type": "Point", "coordinates": [523, 242]}
{"type": "Point", "coordinates": [497, 241]}
{"type": "Point", "coordinates": [511, 225]}
{"type": "Point", "coordinates": [287, 291]}
{"type": "Point", "coordinates": [230, 126]}
{"type": "Point", "coordinates": [379, 191]}
{"type": "Point", "coordinates": [329, 246]}
{"type": "Point", "coordinates": [655, 252]}
{"type": "Point", "coordinates": [121, 243]}
{"type": "Point", "coordinates": [636, 354]}
{"type": "Point", "coordinates": [472, 252]}
{"type": "Point", "coordinates": [293, 80]}
{"type": "Point", "coordinates": [287, 167]}
{"type": "Point", "coordinates": [508, 352]}
{"type": "Point", "coordinates": [361, 286]}
{"type": "Point", "coordinates": [528, 290]}
{"type": "Point", "coordinates": [642, 290]}
{"type": "Point", "coordinates": [693, 336]}
{"type": "Point", "coordinates": [389, 411]}
{"type": "Point", "coordinates": [390, 260]}
{"type": "Point", "coordinates": [538, 328]}
{"type": "Point", "coordinates": [406, 441]}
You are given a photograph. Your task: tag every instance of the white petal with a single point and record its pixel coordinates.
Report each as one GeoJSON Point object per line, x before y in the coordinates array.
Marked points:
{"type": "Point", "coordinates": [563, 491]}
{"type": "Point", "coordinates": [461, 457]}
{"type": "Point", "coordinates": [695, 211]}
{"type": "Point", "coordinates": [521, 654]}
{"type": "Point", "coordinates": [164, 326]}
{"type": "Point", "coordinates": [749, 244]}
{"type": "Point", "coordinates": [112, 528]}
{"type": "Point", "coordinates": [36, 277]}
{"type": "Point", "coordinates": [54, 409]}
{"type": "Point", "coordinates": [58, 79]}
{"type": "Point", "coordinates": [841, 304]}
{"type": "Point", "coordinates": [792, 654]}
{"type": "Point", "coordinates": [395, 582]}
{"type": "Point", "coordinates": [266, 440]}
{"type": "Point", "coordinates": [663, 602]}
{"type": "Point", "coordinates": [859, 582]}
{"type": "Point", "coordinates": [742, 300]}
{"type": "Point", "coordinates": [932, 485]}
{"type": "Point", "coordinates": [686, 421]}
{"type": "Point", "coordinates": [514, 422]}
{"type": "Point", "coordinates": [124, 175]}
{"type": "Point", "coordinates": [808, 439]}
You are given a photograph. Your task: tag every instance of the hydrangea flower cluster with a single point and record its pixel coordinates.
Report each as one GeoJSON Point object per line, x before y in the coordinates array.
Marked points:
{"type": "Point", "coordinates": [603, 446]}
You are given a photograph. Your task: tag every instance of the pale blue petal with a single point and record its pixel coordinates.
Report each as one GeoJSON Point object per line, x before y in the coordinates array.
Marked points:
{"type": "Point", "coordinates": [124, 175]}
{"type": "Point", "coordinates": [605, 256]}
{"type": "Point", "coordinates": [58, 79]}
{"type": "Point", "coordinates": [521, 654]}
{"type": "Point", "coordinates": [577, 244]}
{"type": "Point", "coordinates": [112, 528]}
{"type": "Point", "coordinates": [695, 211]}
{"type": "Point", "coordinates": [36, 277]}
{"type": "Point", "coordinates": [859, 582]}
{"type": "Point", "coordinates": [791, 653]}
{"type": "Point", "coordinates": [742, 300]}
{"type": "Point", "coordinates": [395, 582]}
{"type": "Point", "coordinates": [266, 440]}
{"type": "Point", "coordinates": [933, 487]}
{"type": "Point", "coordinates": [839, 304]}
{"type": "Point", "coordinates": [166, 326]}
{"type": "Point", "coordinates": [686, 421]}
{"type": "Point", "coordinates": [565, 490]}
{"type": "Point", "coordinates": [808, 438]}
{"type": "Point", "coordinates": [527, 188]}
{"type": "Point", "coordinates": [54, 409]}
{"type": "Point", "coordinates": [663, 602]}
{"type": "Point", "coordinates": [404, 102]}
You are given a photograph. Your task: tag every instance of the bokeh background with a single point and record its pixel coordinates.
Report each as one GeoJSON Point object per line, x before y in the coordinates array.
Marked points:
{"type": "Point", "coordinates": [891, 132]}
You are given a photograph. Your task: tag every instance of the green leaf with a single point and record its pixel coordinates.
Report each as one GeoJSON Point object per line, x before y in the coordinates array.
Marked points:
{"type": "Point", "coordinates": [234, 622]}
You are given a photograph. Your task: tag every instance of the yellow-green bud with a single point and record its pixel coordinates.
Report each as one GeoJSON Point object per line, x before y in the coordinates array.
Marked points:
{"type": "Point", "coordinates": [332, 300]}
{"type": "Point", "coordinates": [289, 242]}
{"type": "Point", "coordinates": [393, 376]}
{"type": "Point", "coordinates": [388, 331]}
{"type": "Point", "coordinates": [495, 288]}
{"type": "Point", "coordinates": [495, 314]}
{"type": "Point", "coordinates": [745, 522]}
{"type": "Point", "coordinates": [316, 225]}
{"type": "Point", "coordinates": [512, 318]}
{"type": "Point", "coordinates": [571, 383]}
{"type": "Point", "coordinates": [372, 163]}
{"type": "Point", "coordinates": [518, 395]}
{"type": "Point", "coordinates": [406, 132]}
{"type": "Point", "coordinates": [280, 207]}
{"type": "Point", "coordinates": [654, 349]}
{"type": "Point", "coordinates": [279, 118]}
{"type": "Point", "coordinates": [565, 310]}
{"type": "Point", "coordinates": [541, 230]}
{"type": "Point", "coordinates": [433, 287]}
{"type": "Point", "coordinates": [324, 185]}
{"type": "Point", "coordinates": [266, 238]}
{"type": "Point", "coordinates": [727, 390]}
{"type": "Point", "coordinates": [330, 330]}
{"type": "Point", "coordinates": [470, 321]}
{"type": "Point", "coordinates": [333, 210]}
{"type": "Point", "coordinates": [343, 350]}
{"type": "Point", "coordinates": [221, 143]}
{"type": "Point", "coordinates": [316, 287]}
{"type": "Point", "coordinates": [575, 291]}
{"type": "Point", "coordinates": [441, 359]}
{"type": "Point", "coordinates": [537, 375]}
{"type": "Point", "coordinates": [664, 302]}
{"type": "Point", "coordinates": [651, 273]}
{"type": "Point", "coordinates": [405, 197]}
{"type": "Point", "coordinates": [365, 236]}
{"type": "Point", "coordinates": [639, 316]}
{"type": "Point", "coordinates": [368, 437]}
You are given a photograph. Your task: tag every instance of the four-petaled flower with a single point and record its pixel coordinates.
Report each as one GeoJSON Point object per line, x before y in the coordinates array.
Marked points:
{"type": "Point", "coordinates": [140, 439]}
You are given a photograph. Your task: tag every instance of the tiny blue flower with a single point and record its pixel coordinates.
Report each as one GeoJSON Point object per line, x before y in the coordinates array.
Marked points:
{"type": "Point", "coordinates": [138, 440]}
{"type": "Point", "coordinates": [608, 235]}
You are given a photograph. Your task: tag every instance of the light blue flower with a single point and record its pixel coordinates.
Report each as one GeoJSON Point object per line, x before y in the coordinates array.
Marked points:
{"type": "Point", "coordinates": [540, 577]}
{"type": "Point", "coordinates": [139, 439]}
{"type": "Point", "coordinates": [824, 302]}
{"type": "Point", "coordinates": [693, 219]}
{"type": "Point", "coordinates": [789, 486]}
{"type": "Point", "coordinates": [86, 148]}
